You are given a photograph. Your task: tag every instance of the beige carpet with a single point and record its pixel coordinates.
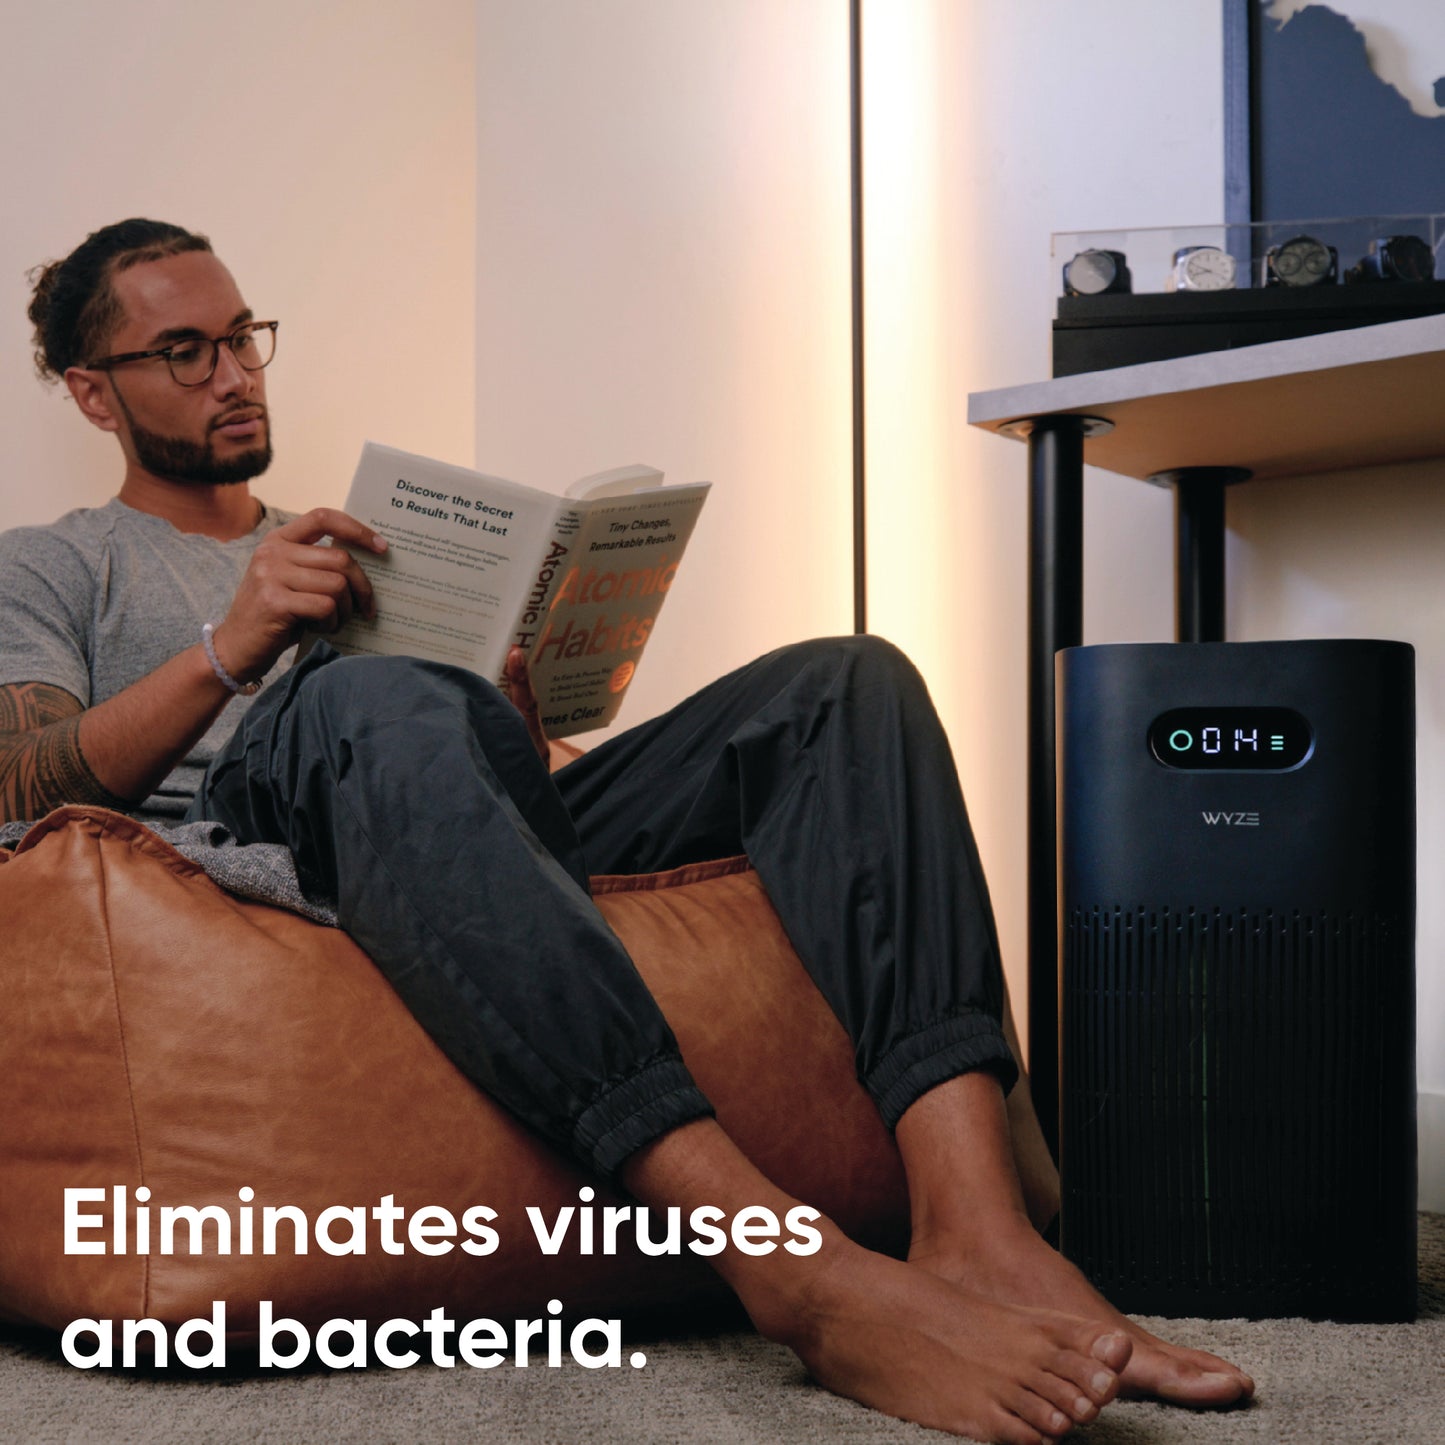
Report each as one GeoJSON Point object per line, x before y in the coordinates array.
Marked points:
{"type": "Point", "coordinates": [1318, 1384]}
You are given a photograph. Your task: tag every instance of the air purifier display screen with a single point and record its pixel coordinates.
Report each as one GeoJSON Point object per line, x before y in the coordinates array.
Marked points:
{"type": "Point", "coordinates": [1257, 739]}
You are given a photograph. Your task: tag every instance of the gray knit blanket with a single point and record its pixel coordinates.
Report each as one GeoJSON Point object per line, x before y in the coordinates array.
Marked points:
{"type": "Point", "coordinates": [262, 872]}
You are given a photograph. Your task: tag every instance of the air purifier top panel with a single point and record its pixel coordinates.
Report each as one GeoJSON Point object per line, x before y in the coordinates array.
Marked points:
{"type": "Point", "coordinates": [1261, 771]}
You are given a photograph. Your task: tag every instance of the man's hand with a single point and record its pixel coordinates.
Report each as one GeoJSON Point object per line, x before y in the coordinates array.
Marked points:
{"type": "Point", "coordinates": [519, 689]}
{"type": "Point", "coordinates": [53, 750]}
{"type": "Point", "coordinates": [294, 583]}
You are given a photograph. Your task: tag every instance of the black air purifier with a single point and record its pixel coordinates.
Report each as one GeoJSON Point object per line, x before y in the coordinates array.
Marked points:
{"type": "Point", "coordinates": [1237, 929]}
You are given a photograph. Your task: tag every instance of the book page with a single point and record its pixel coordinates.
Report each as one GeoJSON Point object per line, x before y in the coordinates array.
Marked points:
{"type": "Point", "coordinates": [461, 556]}
{"type": "Point", "coordinates": [615, 482]}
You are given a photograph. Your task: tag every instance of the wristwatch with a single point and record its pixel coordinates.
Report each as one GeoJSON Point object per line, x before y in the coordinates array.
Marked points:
{"type": "Point", "coordinates": [1395, 258]}
{"type": "Point", "coordinates": [1201, 268]}
{"type": "Point", "coordinates": [1094, 272]}
{"type": "Point", "coordinates": [1301, 261]}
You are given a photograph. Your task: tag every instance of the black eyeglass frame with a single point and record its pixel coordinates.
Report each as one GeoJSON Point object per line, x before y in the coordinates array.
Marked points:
{"type": "Point", "coordinates": [215, 342]}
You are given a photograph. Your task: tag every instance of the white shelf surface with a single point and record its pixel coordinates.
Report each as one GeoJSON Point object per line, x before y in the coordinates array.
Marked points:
{"type": "Point", "coordinates": [1342, 400]}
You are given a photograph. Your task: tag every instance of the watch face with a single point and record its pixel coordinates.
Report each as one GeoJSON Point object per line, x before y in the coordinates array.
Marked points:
{"type": "Point", "coordinates": [1407, 258]}
{"type": "Point", "coordinates": [1091, 273]}
{"type": "Point", "coordinates": [1302, 262]}
{"type": "Point", "coordinates": [1205, 268]}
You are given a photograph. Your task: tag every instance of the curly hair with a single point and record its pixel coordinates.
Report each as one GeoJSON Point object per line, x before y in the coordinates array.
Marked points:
{"type": "Point", "coordinates": [73, 305]}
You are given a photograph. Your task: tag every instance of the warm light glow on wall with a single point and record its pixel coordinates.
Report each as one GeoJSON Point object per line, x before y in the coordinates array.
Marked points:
{"type": "Point", "coordinates": [903, 326]}
{"type": "Point", "coordinates": [942, 567]}
{"type": "Point", "coordinates": [945, 551]}
{"type": "Point", "coordinates": [917, 314]}
{"type": "Point", "coordinates": [662, 276]}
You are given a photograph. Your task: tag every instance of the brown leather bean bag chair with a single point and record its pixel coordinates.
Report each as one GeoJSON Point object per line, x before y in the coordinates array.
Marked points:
{"type": "Point", "coordinates": [160, 1032]}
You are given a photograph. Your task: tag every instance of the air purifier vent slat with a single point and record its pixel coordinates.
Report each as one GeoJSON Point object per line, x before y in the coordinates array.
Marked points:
{"type": "Point", "coordinates": [1224, 1071]}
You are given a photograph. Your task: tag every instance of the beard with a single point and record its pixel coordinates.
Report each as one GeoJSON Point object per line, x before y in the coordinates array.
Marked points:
{"type": "Point", "coordinates": [178, 459]}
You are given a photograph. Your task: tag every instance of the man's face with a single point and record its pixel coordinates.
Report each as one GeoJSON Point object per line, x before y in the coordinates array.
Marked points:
{"type": "Point", "coordinates": [207, 435]}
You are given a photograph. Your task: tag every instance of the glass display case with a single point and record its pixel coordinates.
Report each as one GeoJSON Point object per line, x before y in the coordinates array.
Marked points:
{"type": "Point", "coordinates": [1146, 294]}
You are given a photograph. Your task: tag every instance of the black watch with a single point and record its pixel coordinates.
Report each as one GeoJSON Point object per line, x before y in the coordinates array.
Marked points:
{"type": "Point", "coordinates": [1395, 258]}
{"type": "Point", "coordinates": [1301, 261]}
{"type": "Point", "coordinates": [1095, 273]}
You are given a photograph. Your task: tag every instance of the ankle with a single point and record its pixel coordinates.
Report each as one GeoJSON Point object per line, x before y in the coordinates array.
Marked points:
{"type": "Point", "coordinates": [962, 1234]}
{"type": "Point", "coordinates": [1043, 1207]}
{"type": "Point", "coordinates": [788, 1297]}
{"type": "Point", "coordinates": [971, 1203]}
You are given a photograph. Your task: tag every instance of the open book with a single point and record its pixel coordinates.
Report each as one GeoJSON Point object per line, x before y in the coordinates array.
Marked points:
{"type": "Point", "coordinates": [476, 564]}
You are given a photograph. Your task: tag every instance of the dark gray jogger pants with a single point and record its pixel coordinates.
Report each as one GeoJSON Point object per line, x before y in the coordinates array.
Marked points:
{"type": "Point", "coordinates": [410, 793]}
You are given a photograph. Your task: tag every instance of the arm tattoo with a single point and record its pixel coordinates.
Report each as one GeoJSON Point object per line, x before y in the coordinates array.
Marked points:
{"type": "Point", "coordinates": [41, 764]}
{"type": "Point", "coordinates": [25, 706]}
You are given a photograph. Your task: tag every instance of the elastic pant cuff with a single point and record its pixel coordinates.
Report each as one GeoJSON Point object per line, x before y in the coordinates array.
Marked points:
{"type": "Point", "coordinates": [643, 1107]}
{"type": "Point", "coordinates": [936, 1054]}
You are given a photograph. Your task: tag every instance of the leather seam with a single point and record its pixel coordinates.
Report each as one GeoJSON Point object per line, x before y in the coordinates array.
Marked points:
{"type": "Point", "coordinates": [99, 836]}
{"type": "Point", "coordinates": [680, 877]}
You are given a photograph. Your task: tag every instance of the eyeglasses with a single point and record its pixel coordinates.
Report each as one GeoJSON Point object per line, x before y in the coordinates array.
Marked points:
{"type": "Point", "coordinates": [193, 361]}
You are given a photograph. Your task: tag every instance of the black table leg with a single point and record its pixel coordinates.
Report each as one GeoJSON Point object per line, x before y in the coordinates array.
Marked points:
{"type": "Point", "coordinates": [1056, 606]}
{"type": "Point", "coordinates": [1199, 555]}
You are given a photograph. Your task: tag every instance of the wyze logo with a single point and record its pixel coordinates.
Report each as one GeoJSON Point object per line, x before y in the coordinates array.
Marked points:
{"type": "Point", "coordinates": [1232, 820]}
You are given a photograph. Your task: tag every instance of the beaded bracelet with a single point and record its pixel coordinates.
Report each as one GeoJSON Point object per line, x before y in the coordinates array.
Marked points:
{"type": "Point", "coordinates": [245, 689]}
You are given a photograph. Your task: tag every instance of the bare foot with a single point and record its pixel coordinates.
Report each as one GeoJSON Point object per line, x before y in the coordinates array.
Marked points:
{"type": "Point", "coordinates": [884, 1333]}
{"type": "Point", "coordinates": [922, 1349]}
{"type": "Point", "coordinates": [1009, 1262]}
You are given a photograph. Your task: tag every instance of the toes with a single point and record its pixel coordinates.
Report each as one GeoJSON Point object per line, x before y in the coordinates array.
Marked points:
{"type": "Point", "coordinates": [1113, 1349]}
{"type": "Point", "coordinates": [1083, 1377]}
{"type": "Point", "coordinates": [1078, 1405]}
{"type": "Point", "coordinates": [1212, 1365]}
{"type": "Point", "coordinates": [1177, 1372]}
{"type": "Point", "coordinates": [1090, 1357]}
{"type": "Point", "coordinates": [1038, 1414]}
{"type": "Point", "coordinates": [1205, 1387]}
{"type": "Point", "coordinates": [1185, 1382]}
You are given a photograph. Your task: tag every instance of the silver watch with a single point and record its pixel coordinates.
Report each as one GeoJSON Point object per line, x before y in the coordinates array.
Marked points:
{"type": "Point", "coordinates": [1202, 268]}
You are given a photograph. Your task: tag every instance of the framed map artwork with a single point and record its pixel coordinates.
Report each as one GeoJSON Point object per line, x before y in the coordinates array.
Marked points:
{"type": "Point", "coordinates": [1334, 109]}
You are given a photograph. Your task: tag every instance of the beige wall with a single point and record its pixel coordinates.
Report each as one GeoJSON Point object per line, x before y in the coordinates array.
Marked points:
{"type": "Point", "coordinates": [327, 148]}
{"type": "Point", "coordinates": [663, 277]}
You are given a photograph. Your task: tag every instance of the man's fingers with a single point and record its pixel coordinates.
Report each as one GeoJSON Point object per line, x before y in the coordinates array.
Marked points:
{"type": "Point", "coordinates": [322, 522]}
{"type": "Point", "coordinates": [339, 562]}
{"type": "Point", "coordinates": [320, 611]}
{"type": "Point", "coordinates": [524, 698]}
{"type": "Point", "coordinates": [323, 597]}
{"type": "Point", "coordinates": [361, 590]}
{"type": "Point", "coordinates": [292, 581]}
{"type": "Point", "coordinates": [519, 681]}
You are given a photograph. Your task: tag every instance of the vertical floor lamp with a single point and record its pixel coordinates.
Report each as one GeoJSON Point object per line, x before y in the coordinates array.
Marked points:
{"type": "Point", "coordinates": [855, 96]}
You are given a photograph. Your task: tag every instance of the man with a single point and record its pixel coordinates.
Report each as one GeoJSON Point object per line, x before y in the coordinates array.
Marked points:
{"type": "Point", "coordinates": [413, 797]}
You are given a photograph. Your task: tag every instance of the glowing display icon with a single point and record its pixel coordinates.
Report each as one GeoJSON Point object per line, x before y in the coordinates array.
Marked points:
{"type": "Point", "coordinates": [1231, 738]}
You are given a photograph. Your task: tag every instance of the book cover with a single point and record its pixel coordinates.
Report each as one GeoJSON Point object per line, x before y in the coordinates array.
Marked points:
{"type": "Point", "coordinates": [476, 563]}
